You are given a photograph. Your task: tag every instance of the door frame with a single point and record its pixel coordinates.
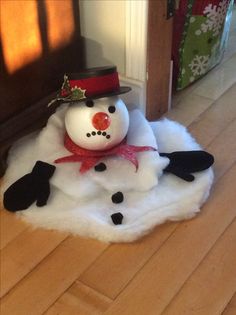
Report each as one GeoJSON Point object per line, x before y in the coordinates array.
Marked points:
{"type": "Point", "coordinates": [159, 65]}
{"type": "Point", "coordinates": [148, 55]}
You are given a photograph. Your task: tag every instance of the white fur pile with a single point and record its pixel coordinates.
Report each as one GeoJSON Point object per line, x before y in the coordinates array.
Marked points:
{"type": "Point", "coordinates": [81, 204]}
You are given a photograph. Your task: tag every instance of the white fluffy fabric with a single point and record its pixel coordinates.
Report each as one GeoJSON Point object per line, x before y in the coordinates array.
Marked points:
{"type": "Point", "coordinates": [81, 204]}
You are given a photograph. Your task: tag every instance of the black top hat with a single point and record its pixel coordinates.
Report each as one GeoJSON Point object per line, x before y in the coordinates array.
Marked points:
{"type": "Point", "coordinates": [91, 83]}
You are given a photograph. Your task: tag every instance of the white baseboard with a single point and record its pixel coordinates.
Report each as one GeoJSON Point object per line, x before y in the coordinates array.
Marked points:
{"type": "Point", "coordinates": [136, 14]}
{"type": "Point", "coordinates": [136, 98]}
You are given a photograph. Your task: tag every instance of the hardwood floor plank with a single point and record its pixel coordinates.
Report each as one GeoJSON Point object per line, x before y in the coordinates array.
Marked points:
{"type": "Point", "coordinates": [161, 278]}
{"type": "Point", "coordinates": [231, 307]}
{"type": "Point", "coordinates": [52, 277]}
{"type": "Point", "coordinates": [218, 80]}
{"type": "Point", "coordinates": [79, 299]}
{"type": "Point", "coordinates": [21, 255]}
{"type": "Point", "coordinates": [120, 262]}
{"type": "Point", "coordinates": [188, 108]}
{"type": "Point", "coordinates": [211, 286]}
{"type": "Point", "coordinates": [214, 120]}
{"type": "Point", "coordinates": [223, 148]}
{"type": "Point", "coordinates": [10, 227]}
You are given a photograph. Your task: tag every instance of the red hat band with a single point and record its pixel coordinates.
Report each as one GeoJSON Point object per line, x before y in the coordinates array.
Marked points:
{"type": "Point", "coordinates": [97, 85]}
{"type": "Point", "coordinates": [91, 83]}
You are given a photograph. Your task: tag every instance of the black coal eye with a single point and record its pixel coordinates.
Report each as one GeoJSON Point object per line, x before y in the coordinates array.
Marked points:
{"type": "Point", "coordinates": [111, 109]}
{"type": "Point", "coordinates": [89, 103]}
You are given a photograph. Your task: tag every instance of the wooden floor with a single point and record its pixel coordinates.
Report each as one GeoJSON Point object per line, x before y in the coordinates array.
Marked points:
{"type": "Point", "coordinates": [180, 268]}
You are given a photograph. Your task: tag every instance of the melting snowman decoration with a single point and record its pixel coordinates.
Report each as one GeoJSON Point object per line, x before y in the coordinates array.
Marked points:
{"type": "Point", "coordinates": [114, 167]}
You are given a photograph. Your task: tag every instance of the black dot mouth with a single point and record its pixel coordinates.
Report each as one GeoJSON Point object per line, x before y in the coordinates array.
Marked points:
{"type": "Point", "coordinates": [98, 133]}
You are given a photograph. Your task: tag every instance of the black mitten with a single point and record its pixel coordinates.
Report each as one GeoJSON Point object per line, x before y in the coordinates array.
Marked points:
{"type": "Point", "coordinates": [183, 163]}
{"type": "Point", "coordinates": [30, 188]}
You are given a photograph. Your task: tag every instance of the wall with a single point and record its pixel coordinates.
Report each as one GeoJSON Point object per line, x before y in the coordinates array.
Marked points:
{"type": "Point", "coordinates": [103, 26]}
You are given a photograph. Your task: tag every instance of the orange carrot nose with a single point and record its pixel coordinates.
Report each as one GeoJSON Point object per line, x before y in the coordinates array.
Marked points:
{"type": "Point", "coordinates": [101, 121]}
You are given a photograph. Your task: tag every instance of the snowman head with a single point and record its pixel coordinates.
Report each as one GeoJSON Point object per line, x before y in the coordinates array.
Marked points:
{"type": "Point", "coordinates": [97, 124]}
{"type": "Point", "coordinates": [97, 119]}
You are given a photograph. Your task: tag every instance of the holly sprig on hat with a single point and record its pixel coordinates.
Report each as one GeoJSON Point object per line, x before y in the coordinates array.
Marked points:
{"type": "Point", "coordinates": [66, 88]}
{"type": "Point", "coordinates": [69, 93]}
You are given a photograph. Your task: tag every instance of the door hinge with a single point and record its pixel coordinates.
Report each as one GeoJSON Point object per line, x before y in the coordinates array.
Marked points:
{"type": "Point", "coordinates": [170, 9]}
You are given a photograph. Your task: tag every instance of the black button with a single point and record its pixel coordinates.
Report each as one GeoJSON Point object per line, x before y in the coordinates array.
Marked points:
{"type": "Point", "coordinates": [117, 218]}
{"type": "Point", "coordinates": [111, 109]}
{"type": "Point", "coordinates": [117, 197]}
{"type": "Point", "coordinates": [100, 167]}
{"type": "Point", "coordinates": [93, 133]}
{"type": "Point", "coordinates": [88, 135]}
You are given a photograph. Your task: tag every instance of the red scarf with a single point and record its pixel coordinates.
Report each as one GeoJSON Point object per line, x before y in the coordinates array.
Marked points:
{"type": "Point", "coordinates": [90, 158]}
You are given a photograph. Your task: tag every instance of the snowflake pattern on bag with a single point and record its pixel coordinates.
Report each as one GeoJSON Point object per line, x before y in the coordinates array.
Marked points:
{"type": "Point", "coordinates": [199, 65]}
{"type": "Point", "coordinates": [215, 18]}
{"type": "Point", "coordinates": [201, 46]}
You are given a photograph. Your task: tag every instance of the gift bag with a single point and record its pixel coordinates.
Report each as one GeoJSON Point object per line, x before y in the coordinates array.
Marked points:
{"type": "Point", "coordinates": [200, 35]}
